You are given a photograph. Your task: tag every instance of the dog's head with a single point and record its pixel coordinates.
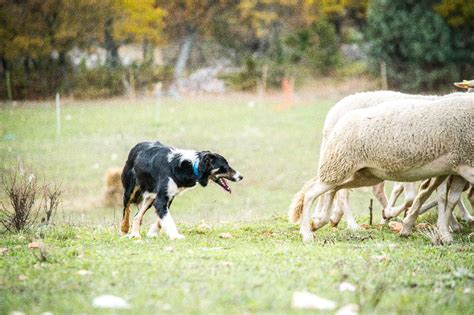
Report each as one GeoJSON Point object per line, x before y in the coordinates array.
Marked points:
{"type": "Point", "coordinates": [215, 167]}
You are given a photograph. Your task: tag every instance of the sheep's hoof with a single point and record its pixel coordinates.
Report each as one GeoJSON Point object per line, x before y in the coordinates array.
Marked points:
{"type": "Point", "coordinates": [446, 239]}
{"type": "Point", "coordinates": [383, 221]}
{"type": "Point", "coordinates": [317, 224]}
{"type": "Point", "coordinates": [456, 227]}
{"type": "Point", "coordinates": [333, 223]}
{"type": "Point", "coordinates": [405, 231]}
{"type": "Point", "coordinates": [354, 227]}
{"type": "Point", "coordinates": [307, 237]}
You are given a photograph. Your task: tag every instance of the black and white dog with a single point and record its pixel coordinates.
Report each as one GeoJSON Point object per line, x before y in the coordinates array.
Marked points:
{"type": "Point", "coordinates": [154, 174]}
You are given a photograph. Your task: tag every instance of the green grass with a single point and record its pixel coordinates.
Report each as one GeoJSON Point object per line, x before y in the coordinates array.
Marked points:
{"type": "Point", "coordinates": [258, 269]}
{"type": "Point", "coordinates": [255, 271]}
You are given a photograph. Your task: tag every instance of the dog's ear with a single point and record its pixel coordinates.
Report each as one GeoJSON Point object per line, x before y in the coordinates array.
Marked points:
{"type": "Point", "coordinates": [205, 167]}
{"type": "Point", "coordinates": [209, 159]}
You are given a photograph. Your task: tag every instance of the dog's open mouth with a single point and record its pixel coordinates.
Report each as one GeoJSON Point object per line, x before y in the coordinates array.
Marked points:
{"type": "Point", "coordinates": [222, 182]}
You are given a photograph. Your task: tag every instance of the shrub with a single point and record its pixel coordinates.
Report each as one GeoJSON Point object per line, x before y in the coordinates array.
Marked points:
{"type": "Point", "coordinates": [420, 49]}
{"type": "Point", "coordinates": [28, 200]}
{"type": "Point", "coordinates": [22, 191]}
{"type": "Point", "coordinates": [311, 51]}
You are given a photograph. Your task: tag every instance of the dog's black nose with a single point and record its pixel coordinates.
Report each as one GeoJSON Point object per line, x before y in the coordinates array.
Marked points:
{"type": "Point", "coordinates": [237, 177]}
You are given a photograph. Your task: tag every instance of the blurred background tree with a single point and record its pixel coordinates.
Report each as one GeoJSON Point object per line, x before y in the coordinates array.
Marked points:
{"type": "Point", "coordinates": [422, 51]}
{"type": "Point", "coordinates": [89, 48]}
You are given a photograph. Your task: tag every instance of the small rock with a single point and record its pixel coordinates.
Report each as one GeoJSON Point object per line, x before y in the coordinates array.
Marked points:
{"type": "Point", "coordinates": [467, 290]}
{"type": "Point", "coordinates": [169, 249]}
{"type": "Point", "coordinates": [395, 226]}
{"type": "Point", "coordinates": [349, 309]}
{"type": "Point", "coordinates": [380, 258]}
{"type": "Point", "coordinates": [3, 250]}
{"type": "Point", "coordinates": [346, 286]}
{"type": "Point", "coordinates": [22, 277]}
{"type": "Point", "coordinates": [34, 245]}
{"type": "Point", "coordinates": [110, 301]}
{"type": "Point", "coordinates": [84, 272]}
{"type": "Point", "coordinates": [204, 226]}
{"type": "Point", "coordinates": [306, 300]}
{"type": "Point", "coordinates": [225, 235]}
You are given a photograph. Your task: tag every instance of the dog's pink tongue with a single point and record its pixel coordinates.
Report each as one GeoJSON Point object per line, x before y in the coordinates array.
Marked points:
{"type": "Point", "coordinates": [225, 186]}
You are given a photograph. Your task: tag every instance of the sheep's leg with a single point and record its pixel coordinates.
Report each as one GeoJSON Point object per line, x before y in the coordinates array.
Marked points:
{"type": "Point", "coordinates": [467, 172]}
{"type": "Point", "coordinates": [359, 179]}
{"type": "Point", "coordinates": [337, 211]}
{"type": "Point", "coordinates": [388, 211]}
{"type": "Point", "coordinates": [323, 217]}
{"type": "Point", "coordinates": [342, 208]}
{"type": "Point", "coordinates": [344, 203]}
{"type": "Point", "coordinates": [426, 188]}
{"type": "Point", "coordinates": [445, 217]}
{"type": "Point", "coordinates": [454, 223]}
{"type": "Point", "coordinates": [319, 205]}
{"type": "Point", "coordinates": [314, 191]}
{"type": "Point", "coordinates": [379, 193]}
{"type": "Point", "coordinates": [410, 194]}
{"type": "Point", "coordinates": [470, 196]}
{"type": "Point", "coordinates": [428, 206]}
{"type": "Point", "coordinates": [465, 215]}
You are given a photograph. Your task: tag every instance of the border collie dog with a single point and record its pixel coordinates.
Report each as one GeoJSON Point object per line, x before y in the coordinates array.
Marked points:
{"type": "Point", "coordinates": [154, 174]}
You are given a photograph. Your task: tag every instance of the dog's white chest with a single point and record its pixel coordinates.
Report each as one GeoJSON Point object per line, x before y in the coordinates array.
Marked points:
{"type": "Point", "coordinates": [173, 189]}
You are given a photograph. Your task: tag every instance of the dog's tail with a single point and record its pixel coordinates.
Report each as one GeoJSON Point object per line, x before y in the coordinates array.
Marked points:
{"type": "Point", "coordinates": [296, 206]}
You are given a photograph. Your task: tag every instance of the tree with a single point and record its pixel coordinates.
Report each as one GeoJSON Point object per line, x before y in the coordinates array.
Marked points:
{"type": "Point", "coordinates": [130, 21]}
{"type": "Point", "coordinates": [419, 47]}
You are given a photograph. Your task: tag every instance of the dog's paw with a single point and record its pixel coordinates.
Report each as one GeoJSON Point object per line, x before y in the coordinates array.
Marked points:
{"type": "Point", "coordinates": [152, 234]}
{"type": "Point", "coordinates": [134, 236]}
{"type": "Point", "coordinates": [153, 231]}
{"type": "Point", "coordinates": [176, 237]}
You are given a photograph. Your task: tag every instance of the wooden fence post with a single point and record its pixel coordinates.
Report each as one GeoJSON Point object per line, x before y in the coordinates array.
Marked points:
{"type": "Point", "coordinates": [58, 116]}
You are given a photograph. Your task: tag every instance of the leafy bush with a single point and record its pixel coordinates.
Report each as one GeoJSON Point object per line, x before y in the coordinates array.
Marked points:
{"type": "Point", "coordinates": [106, 81]}
{"type": "Point", "coordinates": [28, 200]}
{"type": "Point", "coordinates": [310, 51]}
{"type": "Point", "coordinates": [22, 191]}
{"type": "Point", "coordinates": [420, 49]}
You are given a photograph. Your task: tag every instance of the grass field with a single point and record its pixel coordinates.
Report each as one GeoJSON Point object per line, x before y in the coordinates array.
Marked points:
{"type": "Point", "coordinates": [254, 271]}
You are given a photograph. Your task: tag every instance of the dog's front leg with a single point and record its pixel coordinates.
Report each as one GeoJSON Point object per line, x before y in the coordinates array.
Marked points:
{"type": "Point", "coordinates": [167, 222]}
{"type": "Point", "coordinates": [154, 229]}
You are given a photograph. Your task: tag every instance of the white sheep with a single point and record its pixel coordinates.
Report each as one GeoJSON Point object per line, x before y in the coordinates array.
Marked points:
{"type": "Point", "coordinates": [404, 141]}
{"type": "Point", "coordinates": [341, 108]}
